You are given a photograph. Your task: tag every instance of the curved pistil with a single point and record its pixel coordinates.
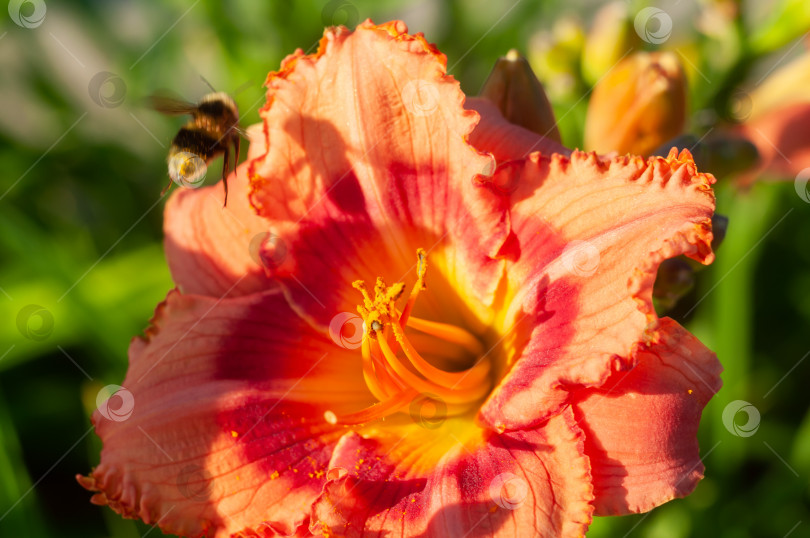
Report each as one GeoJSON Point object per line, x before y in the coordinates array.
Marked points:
{"type": "Point", "coordinates": [395, 371]}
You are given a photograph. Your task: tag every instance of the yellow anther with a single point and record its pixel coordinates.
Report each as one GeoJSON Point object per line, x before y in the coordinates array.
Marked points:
{"type": "Point", "coordinates": [395, 381]}
{"type": "Point", "coordinates": [421, 269]}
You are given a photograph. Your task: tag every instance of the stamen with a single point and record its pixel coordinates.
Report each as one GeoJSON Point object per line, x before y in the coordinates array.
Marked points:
{"type": "Point", "coordinates": [361, 287]}
{"type": "Point", "coordinates": [431, 345]}
{"type": "Point", "coordinates": [393, 381]}
{"type": "Point", "coordinates": [448, 332]}
{"type": "Point", "coordinates": [389, 381]}
{"type": "Point", "coordinates": [457, 395]}
{"type": "Point", "coordinates": [453, 380]}
{"type": "Point", "coordinates": [378, 410]}
{"type": "Point", "coordinates": [421, 269]}
{"type": "Point", "coordinates": [372, 382]}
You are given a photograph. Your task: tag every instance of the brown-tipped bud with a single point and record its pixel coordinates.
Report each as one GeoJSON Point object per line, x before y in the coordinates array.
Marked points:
{"type": "Point", "coordinates": [638, 105]}
{"type": "Point", "coordinates": [610, 38]}
{"type": "Point", "coordinates": [515, 90]}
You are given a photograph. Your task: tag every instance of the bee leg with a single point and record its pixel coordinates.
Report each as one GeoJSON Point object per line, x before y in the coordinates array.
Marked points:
{"type": "Point", "coordinates": [225, 163]}
{"type": "Point", "coordinates": [167, 187]}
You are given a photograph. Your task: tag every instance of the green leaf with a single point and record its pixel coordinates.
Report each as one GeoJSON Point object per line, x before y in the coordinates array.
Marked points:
{"type": "Point", "coordinates": [785, 23]}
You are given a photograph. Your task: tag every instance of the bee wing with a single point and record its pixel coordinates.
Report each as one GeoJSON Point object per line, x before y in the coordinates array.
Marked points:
{"type": "Point", "coordinates": [242, 87]}
{"type": "Point", "coordinates": [169, 104]}
{"type": "Point", "coordinates": [242, 132]}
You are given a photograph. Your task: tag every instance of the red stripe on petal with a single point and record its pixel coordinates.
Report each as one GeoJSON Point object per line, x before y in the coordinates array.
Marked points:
{"type": "Point", "coordinates": [224, 430]}
{"type": "Point", "coordinates": [533, 483]}
{"type": "Point", "coordinates": [601, 226]}
{"type": "Point", "coordinates": [367, 161]}
{"type": "Point", "coordinates": [641, 426]}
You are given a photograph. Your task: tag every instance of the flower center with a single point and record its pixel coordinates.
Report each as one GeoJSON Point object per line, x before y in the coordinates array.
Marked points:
{"type": "Point", "coordinates": [394, 370]}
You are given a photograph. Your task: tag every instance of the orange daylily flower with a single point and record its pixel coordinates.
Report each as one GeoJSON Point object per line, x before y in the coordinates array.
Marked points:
{"type": "Point", "coordinates": [512, 377]}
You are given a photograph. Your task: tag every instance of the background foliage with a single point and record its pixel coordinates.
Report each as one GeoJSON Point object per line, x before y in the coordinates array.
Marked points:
{"type": "Point", "coordinates": [81, 215]}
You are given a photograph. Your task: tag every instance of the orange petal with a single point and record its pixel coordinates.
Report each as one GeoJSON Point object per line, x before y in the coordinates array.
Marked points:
{"type": "Point", "coordinates": [785, 86]}
{"type": "Point", "coordinates": [213, 250]}
{"type": "Point", "coordinates": [641, 426]}
{"type": "Point", "coordinates": [367, 161]}
{"type": "Point", "coordinates": [219, 429]}
{"type": "Point", "coordinates": [506, 141]}
{"type": "Point", "coordinates": [528, 483]}
{"type": "Point", "coordinates": [589, 236]}
{"type": "Point", "coordinates": [782, 138]}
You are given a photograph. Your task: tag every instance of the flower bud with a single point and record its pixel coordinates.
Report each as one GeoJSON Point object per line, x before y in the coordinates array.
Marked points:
{"type": "Point", "coordinates": [515, 90]}
{"type": "Point", "coordinates": [555, 55]}
{"type": "Point", "coordinates": [611, 37]}
{"type": "Point", "coordinates": [638, 105]}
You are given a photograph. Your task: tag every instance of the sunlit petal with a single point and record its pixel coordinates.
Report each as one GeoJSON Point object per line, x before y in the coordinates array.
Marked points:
{"type": "Point", "coordinates": [650, 455]}
{"type": "Point", "coordinates": [590, 234]}
{"type": "Point", "coordinates": [531, 483]}
{"type": "Point", "coordinates": [224, 431]}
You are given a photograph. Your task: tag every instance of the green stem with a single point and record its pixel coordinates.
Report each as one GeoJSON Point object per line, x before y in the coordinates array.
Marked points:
{"type": "Point", "coordinates": [19, 509]}
{"type": "Point", "coordinates": [726, 316]}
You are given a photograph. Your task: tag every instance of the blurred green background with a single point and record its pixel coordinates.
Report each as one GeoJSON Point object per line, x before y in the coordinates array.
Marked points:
{"type": "Point", "coordinates": [80, 225]}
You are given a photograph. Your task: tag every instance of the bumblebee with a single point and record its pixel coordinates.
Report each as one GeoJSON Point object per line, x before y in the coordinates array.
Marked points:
{"type": "Point", "coordinates": [212, 130]}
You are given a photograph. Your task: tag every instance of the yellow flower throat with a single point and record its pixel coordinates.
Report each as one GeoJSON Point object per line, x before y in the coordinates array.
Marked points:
{"type": "Point", "coordinates": [394, 370]}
